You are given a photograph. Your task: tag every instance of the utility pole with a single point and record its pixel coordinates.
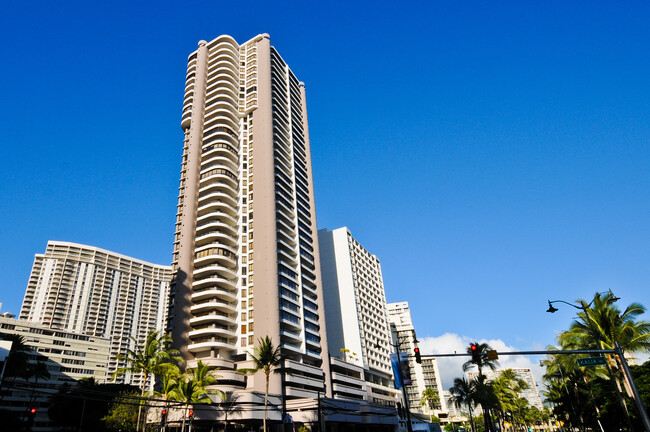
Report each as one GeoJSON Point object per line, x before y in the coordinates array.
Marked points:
{"type": "Point", "coordinates": [409, 427]}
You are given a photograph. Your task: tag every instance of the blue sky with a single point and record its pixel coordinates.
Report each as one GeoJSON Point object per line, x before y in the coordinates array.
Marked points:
{"type": "Point", "coordinates": [491, 154]}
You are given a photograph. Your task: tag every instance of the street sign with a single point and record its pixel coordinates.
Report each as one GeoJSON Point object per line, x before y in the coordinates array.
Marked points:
{"type": "Point", "coordinates": [591, 361]}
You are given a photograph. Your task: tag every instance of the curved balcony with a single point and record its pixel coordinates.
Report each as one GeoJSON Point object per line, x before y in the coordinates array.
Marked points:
{"type": "Point", "coordinates": [212, 331]}
{"type": "Point", "coordinates": [224, 272]}
{"type": "Point", "coordinates": [221, 82]}
{"type": "Point", "coordinates": [216, 183]}
{"type": "Point", "coordinates": [212, 305]}
{"type": "Point", "coordinates": [214, 286]}
{"type": "Point", "coordinates": [220, 113]}
{"type": "Point", "coordinates": [218, 161]}
{"type": "Point", "coordinates": [224, 43]}
{"type": "Point", "coordinates": [216, 92]}
{"type": "Point", "coordinates": [204, 346]}
{"type": "Point", "coordinates": [221, 117]}
{"type": "Point", "coordinates": [216, 146]}
{"type": "Point", "coordinates": [217, 206]}
{"type": "Point", "coordinates": [229, 199]}
{"type": "Point", "coordinates": [223, 63]}
{"type": "Point", "coordinates": [216, 225]}
{"type": "Point", "coordinates": [216, 257]}
{"type": "Point", "coordinates": [216, 215]}
{"type": "Point", "coordinates": [218, 237]}
{"type": "Point", "coordinates": [214, 316]}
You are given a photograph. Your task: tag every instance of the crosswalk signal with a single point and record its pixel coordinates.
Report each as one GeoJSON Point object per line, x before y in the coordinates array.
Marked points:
{"type": "Point", "coordinates": [418, 359]}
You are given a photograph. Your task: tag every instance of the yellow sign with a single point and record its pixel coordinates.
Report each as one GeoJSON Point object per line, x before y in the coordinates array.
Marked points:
{"type": "Point", "coordinates": [507, 425]}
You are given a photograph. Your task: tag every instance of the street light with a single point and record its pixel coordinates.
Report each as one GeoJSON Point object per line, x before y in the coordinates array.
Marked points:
{"type": "Point", "coordinates": [611, 299]}
{"type": "Point", "coordinates": [619, 352]}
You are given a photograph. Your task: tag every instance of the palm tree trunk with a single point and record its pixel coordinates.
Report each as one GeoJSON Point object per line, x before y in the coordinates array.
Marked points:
{"type": "Point", "coordinates": [266, 401]}
{"type": "Point", "coordinates": [471, 420]}
{"type": "Point", "coordinates": [619, 391]}
{"type": "Point", "coordinates": [144, 386]}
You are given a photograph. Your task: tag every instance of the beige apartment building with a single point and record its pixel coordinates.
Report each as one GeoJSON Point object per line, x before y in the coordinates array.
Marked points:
{"type": "Point", "coordinates": [68, 357]}
{"type": "Point", "coordinates": [245, 260]}
{"type": "Point", "coordinates": [95, 292]}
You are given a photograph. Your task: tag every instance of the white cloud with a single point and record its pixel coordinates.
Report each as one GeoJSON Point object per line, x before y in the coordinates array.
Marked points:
{"type": "Point", "coordinates": [452, 367]}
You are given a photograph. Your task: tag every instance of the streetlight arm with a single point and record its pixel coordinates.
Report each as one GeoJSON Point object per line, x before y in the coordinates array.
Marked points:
{"type": "Point", "coordinates": [550, 302]}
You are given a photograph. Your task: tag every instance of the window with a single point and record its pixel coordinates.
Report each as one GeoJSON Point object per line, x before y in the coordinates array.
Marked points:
{"type": "Point", "coordinates": [250, 314]}
{"type": "Point", "coordinates": [243, 293]}
{"type": "Point", "coordinates": [243, 316]}
{"type": "Point", "coordinates": [243, 328]}
{"type": "Point", "coordinates": [250, 340]}
{"type": "Point", "coordinates": [250, 327]}
{"type": "Point", "coordinates": [250, 267]}
{"type": "Point", "coordinates": [243, 341]}
{"type": "Point", "coordinates": [243, 305]}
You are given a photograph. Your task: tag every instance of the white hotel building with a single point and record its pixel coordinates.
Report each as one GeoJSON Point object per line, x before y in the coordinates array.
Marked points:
{"type": "Point", "coordinates": [424, 375]}
{"type": "Point", "coordinates": [95, 292]}
{"type": "Point", "coordinates": [355, 307]}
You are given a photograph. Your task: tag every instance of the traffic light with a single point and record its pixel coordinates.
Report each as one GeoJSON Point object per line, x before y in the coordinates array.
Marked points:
{"type": "Point", "coordinates": [191, 413]}
{"type": "Point", "coordinates": [418, 359]}
{"type": "Point", "coordinates": [473, 349]}
{"type": "Point", "coordinates": [163, 417]}
{"type": "Point", "coordinates": [30, 418]}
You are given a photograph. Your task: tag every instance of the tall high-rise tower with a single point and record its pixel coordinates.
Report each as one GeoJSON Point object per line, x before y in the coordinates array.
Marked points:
{"type": "Point", "coordinates": [245, 250]}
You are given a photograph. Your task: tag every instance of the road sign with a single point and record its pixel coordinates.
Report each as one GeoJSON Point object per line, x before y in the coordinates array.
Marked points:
{"type": "Point", "coordinates": [591, 361]}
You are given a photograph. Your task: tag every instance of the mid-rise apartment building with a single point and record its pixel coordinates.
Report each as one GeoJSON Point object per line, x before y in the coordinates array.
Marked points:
{"type": "Point", "coordinates": [246, 261]}
{"type": "Point", "coordinates": [424, 375]}
{"type": "Point", "coordinates": [355, 308]}
{"type": "Point", "coordinates": [95, 292]}
{"type": "Point", "coordinates": [67, 356]}
{"type": "Point", "coordinates": [531, 393]}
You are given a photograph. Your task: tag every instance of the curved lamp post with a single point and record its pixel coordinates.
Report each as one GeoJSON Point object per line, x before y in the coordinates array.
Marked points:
{"type": "Point", "coordinates": [619, 352]}
{"type": "Point", "coordinates": [612, 299]}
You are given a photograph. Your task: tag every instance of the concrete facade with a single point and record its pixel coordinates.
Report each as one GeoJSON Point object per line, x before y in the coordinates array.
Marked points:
{"type": "Point", "coordinates": [355, 308]}
{"type": "Point", "coordinates": [68, 357]}
{"type": "Point", "coordinates": [95, 292]}
{"type": "Point", "coordinates": [424, 375]}
{"type": "Point", "coordinates": [246, 262]}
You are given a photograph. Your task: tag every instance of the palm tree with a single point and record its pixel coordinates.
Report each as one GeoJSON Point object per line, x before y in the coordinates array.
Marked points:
{"type": "Point", "coordinates": [429, 399]}
{"type": "Point", "coordinates": [152, 359]}
{"type": "Point", "coordinates": [266, 358]}
{"type": "Point", "coordinates": [484, 396]}
{"type": "Point", "coordinates": [463, 393]}
{"type": "Point", "coordinates": [481, 360]}
{"type": "Point", "coordinates": [168, 382]}
{"type": "Point", "coordinates": [600, 325]}
{"type": "Point", "coordinates": [191, 387]}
